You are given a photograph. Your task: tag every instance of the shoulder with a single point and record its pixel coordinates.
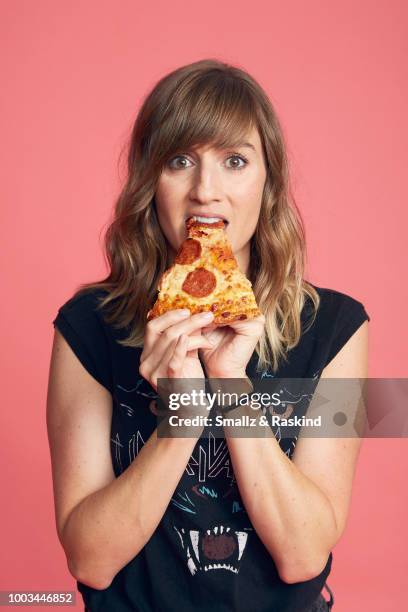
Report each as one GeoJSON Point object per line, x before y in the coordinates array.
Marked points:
{"type": "Point", "coordinates": [336, 307]}
{"type": "Point", "coordinates": [84, 308]}
{"type": "Point", "coordinates": [80, 321]}
{"type": "Point", "coordinates": [338, 317]}
{"type": "Point", "coordinates": [83, 301]}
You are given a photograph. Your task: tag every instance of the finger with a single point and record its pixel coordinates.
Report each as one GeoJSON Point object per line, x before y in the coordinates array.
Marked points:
{"type": "Point", "coordinates": [156, 326]}
{"type": "Point", "coordinates": [159, 366]}
{"type": "Point", "coordinates": [248, 327]}
{"type": "Point", "coordinates": [194, 323]}
{"type": "Point", "coordinates": [193, 343]}
{"type": "Point", "coordinates": [216, 335]}
{"type": "Point", "coordinates": [196, 342]}
{"type": "Point", "coordinates": [175, 365]}
{"type": "Point", "coordinates": [161, 332]}
{"type": "Point", "coordinates": [189, 326]}
{"type": "Point", "coordinates": [210, 327]}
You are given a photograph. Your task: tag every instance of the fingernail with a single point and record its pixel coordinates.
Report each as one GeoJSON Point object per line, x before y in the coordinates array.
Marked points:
{"type": "Point", "coordinates": [207, 315]}
{"type": "Point", "coordinates": [183, 312]}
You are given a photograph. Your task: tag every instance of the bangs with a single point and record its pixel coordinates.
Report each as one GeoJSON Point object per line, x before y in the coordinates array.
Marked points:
{"type": "Point", "coordinates": [216, 110]}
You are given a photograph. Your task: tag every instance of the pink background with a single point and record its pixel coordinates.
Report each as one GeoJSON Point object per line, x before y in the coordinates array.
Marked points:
{"type": "Point", "coordinates": [73, 77]}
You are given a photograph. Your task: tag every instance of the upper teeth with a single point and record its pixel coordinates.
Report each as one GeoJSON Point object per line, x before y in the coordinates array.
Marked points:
{"type": "Point", "coordinates": [207, 219]}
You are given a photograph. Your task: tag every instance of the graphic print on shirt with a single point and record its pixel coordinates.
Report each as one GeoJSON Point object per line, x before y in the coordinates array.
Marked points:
{"type": "Point", "coordinates": [208, 497]}
{"type": "Point", "coordinates": [123, 399]}
{"type": "Point", "coordinates": [221, 546]}
{"type": "Point", "coordinates": [291, 400]}
{"type": "Point", "coordinates": [209, 518]}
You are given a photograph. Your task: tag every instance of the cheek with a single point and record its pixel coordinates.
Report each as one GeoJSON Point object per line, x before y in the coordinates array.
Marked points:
{"type": "Point", "coordinates": [246, 212]}
{"type": "Point", "coordinates": [246, 225]}
{"type": "Point", "coordinates": [169, 213]}
{"type": "Point", "coordinates": [250, 187]}
{"type": "Point", "coordinates": [170, 195]}
{"type": "Point", "coordinates": [248, 200]}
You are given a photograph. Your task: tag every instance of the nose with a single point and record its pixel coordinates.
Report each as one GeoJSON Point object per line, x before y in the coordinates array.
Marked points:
{"type": "Point", "coordinates": [207, 186]}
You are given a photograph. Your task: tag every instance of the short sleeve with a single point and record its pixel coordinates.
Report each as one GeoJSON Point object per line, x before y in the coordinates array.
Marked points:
{"type": "Point", "coordinates": [343, 316]}
{"type": "Point", "coordinates": [83, 328]}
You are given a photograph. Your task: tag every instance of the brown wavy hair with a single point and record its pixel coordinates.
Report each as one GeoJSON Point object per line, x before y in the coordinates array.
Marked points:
{"type": "Point", "coordinates": [204, 102]}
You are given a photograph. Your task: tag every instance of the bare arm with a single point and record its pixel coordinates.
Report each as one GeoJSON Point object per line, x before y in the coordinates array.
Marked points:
{"type": "Point", "coordinates": [109, 527]}
{"type": "Point", "coordinates": [102, 521]}
{"type": "Point", "coordinates": [299, 508]}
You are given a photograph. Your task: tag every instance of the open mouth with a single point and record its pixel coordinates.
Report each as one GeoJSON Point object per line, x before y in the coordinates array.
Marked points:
{"type": "Point", "coordinates": [208, 220]}
{"type": "Point", "coordinates": [218, 548]}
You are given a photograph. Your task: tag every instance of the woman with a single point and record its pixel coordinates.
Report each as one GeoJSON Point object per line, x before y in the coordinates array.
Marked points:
{"type": "Point", "coordinates": [199, 523]}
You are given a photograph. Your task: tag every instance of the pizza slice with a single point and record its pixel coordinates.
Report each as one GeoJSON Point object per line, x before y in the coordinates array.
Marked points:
{"type": "Point", "coordinates": [205, 276]}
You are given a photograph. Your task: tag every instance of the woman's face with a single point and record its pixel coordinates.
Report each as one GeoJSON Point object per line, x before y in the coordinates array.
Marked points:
{"type": "Point", "coordinates": [206, 181]}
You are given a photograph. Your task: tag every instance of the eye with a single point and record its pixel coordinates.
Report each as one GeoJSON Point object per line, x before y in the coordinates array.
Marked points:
{"type": "Point", "coordinates": [235, 156]}
{"type": "Point", "coordinates": [178, 162]}
{"type": "Point", "coordinates": [176, 166]}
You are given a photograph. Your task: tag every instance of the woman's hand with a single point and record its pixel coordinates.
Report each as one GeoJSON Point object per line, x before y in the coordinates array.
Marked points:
{"type": "Point", "coordinates": [231, 347]}
{"type": "Point", "coordinates": [171, 344]}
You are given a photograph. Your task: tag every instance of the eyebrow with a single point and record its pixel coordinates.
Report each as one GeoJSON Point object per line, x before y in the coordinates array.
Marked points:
{"type": "Point", "coordinates": [244, 144]}
{"type": "Point", "coordinates": [235, 144]}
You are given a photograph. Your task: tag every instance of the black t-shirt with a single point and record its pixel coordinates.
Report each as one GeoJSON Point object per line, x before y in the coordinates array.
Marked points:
{"type": "Point", "coordinates": [204, 554]}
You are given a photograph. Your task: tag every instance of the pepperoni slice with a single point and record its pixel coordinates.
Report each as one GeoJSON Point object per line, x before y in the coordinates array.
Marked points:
{"type": "Point", "coordinates": [189, 252]}
{"type": "Point", "coordinates": [199, 283]}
